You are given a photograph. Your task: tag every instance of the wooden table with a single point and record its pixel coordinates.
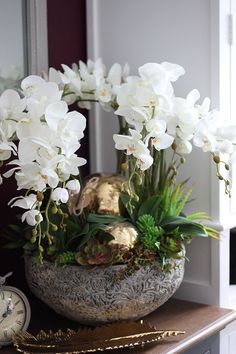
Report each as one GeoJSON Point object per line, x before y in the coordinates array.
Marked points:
{"type": "Point", "coordinates": [199, 321]}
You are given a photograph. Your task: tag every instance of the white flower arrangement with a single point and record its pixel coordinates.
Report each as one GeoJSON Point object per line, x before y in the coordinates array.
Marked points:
{"type": "Point", "coordinates": [37, 128]}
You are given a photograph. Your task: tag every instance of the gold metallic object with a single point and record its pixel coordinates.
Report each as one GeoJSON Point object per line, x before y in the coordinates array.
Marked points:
{"type": "Point", "coordinates": [124, 233]}
{"type": "Point", "coordinates": [127, 335]}
{"type": "Point", "coordinates": [100, 195]}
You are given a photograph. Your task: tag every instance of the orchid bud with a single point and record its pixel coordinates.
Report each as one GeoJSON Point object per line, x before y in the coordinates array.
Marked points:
{"type": "Point", "coordinates": [227, 167]}
{"type": "Point", "coordinates": [54, 227]}
{"type": "Point", "coordinates": [216, 159]}
{"type": "Point", "coordinates": [54, 209]}
{"type": "Point", "coordinates": [34, 232]}
{"type": "Point", "coordinates": [33, 239]}
{"type": "Point", "coordinates": [38, 218]}
{"type": "Point", "coordinates": [40, 196]}
{"type": "Point", "coordinates": [174, 146]}
{"type": "Point", "coordinates": [40, 248]}
{"type": "Point", "coordinates": [125, 166]}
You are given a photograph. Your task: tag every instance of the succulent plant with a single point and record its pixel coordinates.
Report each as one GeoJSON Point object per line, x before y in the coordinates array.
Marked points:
{"type": "Point", "coordinates": [66, 258]}
{"type": "Point", "coordinates": [150, 235]}
{"type": "Point", "coordinates": [95, 252]}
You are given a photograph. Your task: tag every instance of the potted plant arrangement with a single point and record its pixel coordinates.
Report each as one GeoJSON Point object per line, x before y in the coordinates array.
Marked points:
{"type": "Point", "coordinates": [111, 247]}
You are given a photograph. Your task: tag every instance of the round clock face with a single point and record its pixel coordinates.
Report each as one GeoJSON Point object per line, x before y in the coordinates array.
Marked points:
{"type": "Point", "coordinates": [14, 313]}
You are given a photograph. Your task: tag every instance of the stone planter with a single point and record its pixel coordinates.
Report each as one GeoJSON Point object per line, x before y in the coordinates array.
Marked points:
{"type": "Point", "coordinates": [93, 295]}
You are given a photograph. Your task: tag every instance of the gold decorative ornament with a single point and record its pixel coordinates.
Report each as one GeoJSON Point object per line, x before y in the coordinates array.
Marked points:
{"type": "Point", "coordinates": [100, 195]}
{"type": "Point", "coordinates": [124, 233]}
{"type": "Point", "coordinates": [127, 335]}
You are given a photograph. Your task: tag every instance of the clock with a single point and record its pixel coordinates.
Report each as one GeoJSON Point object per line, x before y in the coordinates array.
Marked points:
{"type": "Point", "coordinates": [14, 313]}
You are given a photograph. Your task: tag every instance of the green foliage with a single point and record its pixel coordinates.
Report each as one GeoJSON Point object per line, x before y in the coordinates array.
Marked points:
{"type": "Point", "coordinates": [95, 252]}
{"type": "Point", "coordinates": [162, 229]}
{"type": "Point", "coordinates": [150, 235]}
{"type": "Point", "coordinates": [14, 236]}
{"type": "Point", "coordinates": [66, 258]}
{"type": "Point", "coordinates": [160, 222]}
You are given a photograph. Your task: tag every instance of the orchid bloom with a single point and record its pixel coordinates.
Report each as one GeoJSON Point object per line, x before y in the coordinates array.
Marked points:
{"type": "Point", "coordinates": [157, 133]}
{"type": "Point", "coordinates": [31, 216]}
{"type": "Point", "coordinates": [60, 195]}
{"type": "Point", "coordinates": [134, 146]}
{"type": "Point", "coordinates": [73, 186]}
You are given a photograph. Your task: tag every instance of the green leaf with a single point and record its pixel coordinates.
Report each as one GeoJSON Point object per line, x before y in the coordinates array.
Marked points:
{"type": "Point", "coordinates": [104, 219]}
{"type": "Point", "coordinates": [124, 201]}
{"type": "Point", "coordinates": [184, 225]}
{"type": "Point", "coordinates": [29, 246]}
{"type": "Point", "coordinates": [150, 206]}
{"type": "Point", "coordinates": [92, 231]}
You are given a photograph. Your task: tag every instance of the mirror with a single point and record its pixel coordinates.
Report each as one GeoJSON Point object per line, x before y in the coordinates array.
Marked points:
{"type": "Point", "coordinates": [23, 40]}
{"type": "Point", "coordinates": [12, 43]}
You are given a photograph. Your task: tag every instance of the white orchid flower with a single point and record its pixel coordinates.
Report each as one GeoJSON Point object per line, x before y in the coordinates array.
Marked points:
{"type": "Point", "coordinates": [205, 136]}
{"type": "Point", "coordinates": [68, 127]}
{"type": "Point", "coordinates": [6, 148]}
{"type": "Point", "coordinates": [185, 115]}
{"type": "Point", "coordinates": [30, 85]}
{"type": "Point", "coordinates": [99, 72]}
{"type": "Point", "coordinates": [12, 106]}
{"type": "Point", "coordinates": [135, 116]}
{"type": "Point", "coordinates": [30, 150]}
{"type": "Point", "coordinates": [33, 176]}
{"type": "Point", "coordinates": [60, 195]}
{"type": "Point", "coordinates": [28, 202]}
{"type": "Point", "coordinates": [115, 74]}
{"type": "Point", "coordinates": [4, 154]}
{"type": "Point", "coordinates": [144, 161]}
{"type": "Point", "coordinates": [54, 113]}
{"type": "Point", "coordinates": [104, 93]}
{"type": "Point", "coordinates": [204, 108]}
{"type": "Point", "coordinates": [11, 109]}
{"type": "Point", "coordinates": [32, 217]}
{"type": "Point", "coordinates": [160, 76]}
{"type": "Point", "coordinates": [83, 70]}
{"type": "Point", "coordinates": [156, 124]}
{"type": "Point", "coordinates": [54, 76]}
{"type": "Point", "coordinates": [225, 147]}
{"type": "Point", "coordinates": [227, 131]}
{"type": "Point", "coordinates": [39, 94]}
{"type": "Point", "coordinates": [159, 138]}
{"type": "Point", "coordinates": [73, 186]}
{"type": "Point", "coordinates": [88, 82]}
{"type": "Point", "coordinates": [173, 71]}
{"type": "Point", "coordinates": [69, 166]}
{"type": "Point", "coordinates": [71, 78]}
{"type": "Point", "coordinates": [183, 147]}
{"type": "Point", "coordinates": [132, 144]}
{"type": "Point", "coordinates": [136, 93]}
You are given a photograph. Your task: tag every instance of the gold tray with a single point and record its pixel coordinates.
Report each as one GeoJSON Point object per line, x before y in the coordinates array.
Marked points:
{"type": "Point", "coordinates": [108, 337]}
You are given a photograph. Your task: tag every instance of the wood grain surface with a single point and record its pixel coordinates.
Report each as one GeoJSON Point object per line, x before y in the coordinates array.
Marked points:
{"type": "Point", "coordinates": [198, 320]}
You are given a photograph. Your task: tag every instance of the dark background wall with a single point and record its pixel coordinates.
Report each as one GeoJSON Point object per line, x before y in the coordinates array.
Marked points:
{"type": "Point", "coordinates": [67, 44]}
